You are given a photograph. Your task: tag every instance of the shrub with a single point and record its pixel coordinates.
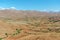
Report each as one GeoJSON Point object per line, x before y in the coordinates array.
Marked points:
{"type": "Point", "coordinates": [1, 38]}
{"type": "Point", "coordinates": [6, 34]}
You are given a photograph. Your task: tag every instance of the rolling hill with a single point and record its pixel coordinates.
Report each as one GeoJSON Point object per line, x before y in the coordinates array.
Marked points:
{"type": "Point", "coordinates": [29, 25]}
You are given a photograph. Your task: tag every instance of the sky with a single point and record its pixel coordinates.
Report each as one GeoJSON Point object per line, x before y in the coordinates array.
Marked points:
{"type": "Point", "coordinates": [41, 5]}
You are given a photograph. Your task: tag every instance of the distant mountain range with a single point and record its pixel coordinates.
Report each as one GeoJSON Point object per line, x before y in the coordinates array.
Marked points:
{"type": "Point", "coordinates": [11, 13]}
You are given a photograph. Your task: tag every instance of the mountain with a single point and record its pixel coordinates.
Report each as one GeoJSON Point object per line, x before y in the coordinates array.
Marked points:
{"type": "Point", "coordinates": [29, 25]}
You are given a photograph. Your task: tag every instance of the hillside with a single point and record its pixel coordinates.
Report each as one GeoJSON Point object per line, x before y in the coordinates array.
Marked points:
{"type": "Point", "coordinates": [29, 25]}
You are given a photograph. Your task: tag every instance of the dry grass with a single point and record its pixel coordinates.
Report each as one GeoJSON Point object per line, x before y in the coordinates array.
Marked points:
{"type": "Point", "coordinates": [29, 27]}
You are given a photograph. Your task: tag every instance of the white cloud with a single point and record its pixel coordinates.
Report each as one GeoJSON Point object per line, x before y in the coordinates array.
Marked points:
{"type": "Point", "coordinates": [44, 10]}
{"type": "Point", "coordinates": [2, 8]}
{"type": "Point", "coordinates": [53, 10]}
{"type": "Point", "coordinates": [12, 7]}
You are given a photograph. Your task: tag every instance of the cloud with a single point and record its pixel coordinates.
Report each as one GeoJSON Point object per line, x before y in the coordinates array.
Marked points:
{"type": "Point", "coordinates": [50, 10]}
{"type": "Point", "coordinates": [2, 8]}
{"type": "Point", "coordinates": [44, 10]}
{"type": "Point", "coordinates": [13, 7]}
{"type": "Point", "coordinates": [54, 10]}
